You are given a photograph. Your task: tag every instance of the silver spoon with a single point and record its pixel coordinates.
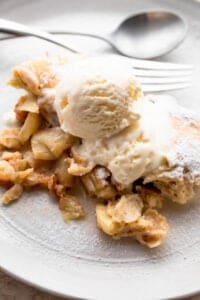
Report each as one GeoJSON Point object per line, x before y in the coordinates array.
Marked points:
{"type": "Point", "coordinates": [146, 35]}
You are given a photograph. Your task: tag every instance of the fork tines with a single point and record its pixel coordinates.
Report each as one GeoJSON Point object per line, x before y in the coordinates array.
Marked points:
{"type": "Point", "coordinates": [162, 76]}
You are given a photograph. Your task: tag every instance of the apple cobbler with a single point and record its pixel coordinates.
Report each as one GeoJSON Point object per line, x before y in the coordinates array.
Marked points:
{"type": "Point", "coordinates": [88, 123]}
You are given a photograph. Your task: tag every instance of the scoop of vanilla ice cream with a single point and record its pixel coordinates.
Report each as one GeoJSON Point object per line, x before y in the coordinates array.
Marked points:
{"type": "Point", "coordinates": [137, 150]}
{"type": "Point", "coordinates": [95, 97]}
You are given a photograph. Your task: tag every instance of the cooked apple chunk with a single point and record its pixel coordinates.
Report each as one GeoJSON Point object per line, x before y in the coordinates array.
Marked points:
{"type": "Point", "coordinates": [34, 76]}
{"type": "Point", "coordinates": [27, 103]}
{"type": "Point", "coordinates": [49, 144]}
{"type": "Point", "coordinates": [62, 174]}
{"type": "Point", "coordinates": [30, 126]}
{"type": "Point", "coordinates": [9, 138]}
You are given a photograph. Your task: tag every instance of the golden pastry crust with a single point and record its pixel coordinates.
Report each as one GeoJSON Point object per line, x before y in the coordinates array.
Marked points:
{"type": "Point", "coordinates": [151, 196]}
{"type": "Point", "coordinates": [180, 191]}
{"type": "Point", "coordinates": [151, 228]}
{"type": "Point", "coordinates": [125, 218]}
{"type": "Point", "coordinates": [12, 194]}
{"type": "Point", "coordinates": [77, 165]}
{"type": "Point", "coordinates": [34, 76]}
{"type": "Point", "coordinates": [9, 139]}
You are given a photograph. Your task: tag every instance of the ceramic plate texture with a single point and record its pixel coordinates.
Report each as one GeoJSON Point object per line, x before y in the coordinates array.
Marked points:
{"type": "Point", "coordinates": [76, 259]}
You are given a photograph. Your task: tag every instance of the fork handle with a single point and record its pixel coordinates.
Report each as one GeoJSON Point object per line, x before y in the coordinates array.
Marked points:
{"type": "Point", "coordinates": [7, 26]}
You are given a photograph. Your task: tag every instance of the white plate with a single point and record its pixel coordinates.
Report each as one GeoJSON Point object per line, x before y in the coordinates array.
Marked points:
{"type": "Point", "coordinates": [76, 259]}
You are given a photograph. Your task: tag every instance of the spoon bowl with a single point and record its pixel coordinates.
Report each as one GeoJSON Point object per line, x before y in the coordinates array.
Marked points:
{"type": "Point", "coordinates": [149, 35]}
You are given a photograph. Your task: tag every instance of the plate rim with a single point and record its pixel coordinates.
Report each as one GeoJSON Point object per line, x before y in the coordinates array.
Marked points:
{"type": "Point", "coordinates": [44, 287]}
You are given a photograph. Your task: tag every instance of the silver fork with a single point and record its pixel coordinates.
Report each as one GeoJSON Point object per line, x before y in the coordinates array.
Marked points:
{"type": "Point", "coordinates": [154, 76]}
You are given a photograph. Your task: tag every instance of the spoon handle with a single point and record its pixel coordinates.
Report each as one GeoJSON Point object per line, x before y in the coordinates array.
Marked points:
{"type": "Point", "coordinates": [17, 28]}
{"type": "Point", "coordinates": [92, 35]}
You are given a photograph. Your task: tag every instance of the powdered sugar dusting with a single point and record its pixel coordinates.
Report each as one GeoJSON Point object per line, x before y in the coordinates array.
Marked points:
{"type": "Point", "coordinates": [178, 136]}
{"type": "Point", "coordinates": [185, 152]}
